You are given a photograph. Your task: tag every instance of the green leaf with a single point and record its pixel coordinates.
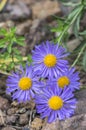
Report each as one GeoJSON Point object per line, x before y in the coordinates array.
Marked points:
{"type": "Point", "coordinates": [16, 51]}
{"type": "Point", "coordinates": [19, 57]}
{"type": "Point", "coordinates": [61, 23]}
{"type": "Point", "coordinates": [54, 29]}
{"type": "Point", "coordinates": [2, 66]}
{"type": "Point", "coordinates": [13, 40]}
{"type": "Point", "coordinates": [76, 26]}
{"type": "Point", "coordinates": [84, 61]}
{"type": "Point", "coordinates": [3, 31]}
{"type": "Point", "coordinates": [83, 33]}
{"type": "Point", "coordinates": [21, 38]}
{"type": "Point", "coordinates": [2, 42]}
{"type": "Point", "coordinates": [13, 30]}
{"type": "Point", "coordinates": [70, 4]}
{"type": "Point", "coordinates": [30, 58]}
{"type": "Point", "coordinates": [2, 45]}
{"type": "Point", "coordinates": [9, 48]}
{"type": "Point", "coordinates": [12, 65]}
{"type": "Point", "coordinates": [59, 18]}
{"type": "Point", "coordinates": [74, 12]}
{"type": "Point", "coordinates": [20, 41]}
{"type": "Point", "coordinates": [6, 55]}
{"type": "Point", "coordinates": [64, 0]}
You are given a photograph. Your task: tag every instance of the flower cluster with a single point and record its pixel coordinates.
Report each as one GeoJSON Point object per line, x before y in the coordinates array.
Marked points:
{"type": "Point", "coordinates": [53, 95]}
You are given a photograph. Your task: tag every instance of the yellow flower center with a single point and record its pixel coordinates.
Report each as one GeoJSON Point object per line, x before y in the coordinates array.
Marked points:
{"type": "Point", "coordinates": [55, 103]}
{"type": "Point", "coordinates": [25, 83]}
{"type": "Point", "coordinates": [63, 81]}
{"type": "Point", "coordinates": [50, 60]}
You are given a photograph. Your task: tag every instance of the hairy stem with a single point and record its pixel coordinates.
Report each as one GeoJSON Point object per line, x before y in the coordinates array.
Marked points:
{"type": "Point", "coordinates": [76, 60]}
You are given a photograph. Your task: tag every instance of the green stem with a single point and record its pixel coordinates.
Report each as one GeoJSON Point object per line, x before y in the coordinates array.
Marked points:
{"type": "Point", "coordinates": [66, 28]}
{"type": "Point", "coordinates": [76, 60]}
{"type": "Point", "coordinates": [13, 61]}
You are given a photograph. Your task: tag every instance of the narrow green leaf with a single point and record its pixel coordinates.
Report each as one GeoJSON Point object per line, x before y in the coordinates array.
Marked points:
{"type": "Point", "coordinates": [9, 48]}
{"type": "Point", "coordinates": [30, 58]}
{"type": "Point", "coordinates": [83, 33]}
{"type": "Point", "coordinates": [16, 51]}
{"type": "Point", "coordinates": [70, 4]}
{"type": "Point", "coordinates": [6, 55]}
{"type": "Point", "coordinates": [21, 38]}
{"type": "Point", "coordinates": [12, 65]}
{"type": "Point", "coordinates": [13, 30]}
{"type": "Point", "coordinates": [74, 12]}
{"type": "Point", "coordinates": [2, 45]}
{"type": "Point", "coordinates": [19, 57]}
{"type": "Point", "coordinates": [3, 31]}
{"type": "Point", "coordinates": [20, 43]}
{"type": "Point", "coordinates": [76, 26]}
{"type": "Point", "coordinates": [84, 61]}
{"type": "Point", "coordinates": [2, 41]}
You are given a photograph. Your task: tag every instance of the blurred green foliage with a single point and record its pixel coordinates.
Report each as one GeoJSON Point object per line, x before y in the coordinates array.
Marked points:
{"type": "Point", "coordinates": [73, 19]}
{"type": "Point", "coordinates": [10, 55]}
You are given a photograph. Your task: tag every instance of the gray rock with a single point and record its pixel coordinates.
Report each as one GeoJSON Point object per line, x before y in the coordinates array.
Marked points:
{"type": "Point", "coordinates": [11, 111]}
{"type": "Point", "coordinates": [74, 123]}
{"type": "Point", "coordinates": [23, 119]}
{"type": "Point", "coordinates": [45, 9]}
{"type": "Point", "coordinates": [3, 103]}
{"type": "Point", "coordinates": [81, 105]}
{"type": "Point", "coordinates": [19, 11]}
{"type": "Point", "coordinates": [72, 44]}
{"type": "Point", "coordinates": [23, 27]}
{"type": "Point", "coordinates": [2, 118]}
{"type": "Point", "coordinates": [36, 124]}
{"type": "Point", "coordinates": [11, 119]}
{"type": "Point", "coordinates": [52, 126]}
{"type": "Point", "coordinates": [8, 128]}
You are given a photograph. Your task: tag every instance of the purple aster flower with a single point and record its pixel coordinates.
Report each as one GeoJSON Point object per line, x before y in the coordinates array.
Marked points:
{"type": "Point", "coordinates": [48, 59]}
{"type": "Point", "coordinates": [22, 84]}
{"type": "Point", "coordinates": [68, 78]}
{"type": "Point", "coordinates": [55, 103]}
